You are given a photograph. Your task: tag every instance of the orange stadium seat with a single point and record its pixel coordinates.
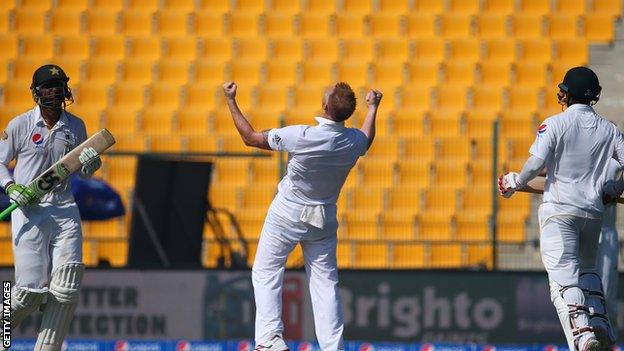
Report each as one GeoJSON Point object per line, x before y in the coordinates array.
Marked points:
{"type": "Point", "coordinates": [207, 23]}
{"type": "Point", "coordinates": [349, 25]}
{"type": "Point", "coordinates": [599, 28]}
{"type": "Point", "coordinates": [397, 226]}
{"type": "Point", "coordinates": [527, 26]}
{"type": "Point", "coordinates": [499, 7]}
{"type": "Point", "coordinates": [243, 24]}
{"type": "Point", "coordinates": [371, 256]}
{"type": "Point", "coordinates": [66, 22]}
{"type": "Point", "coordinates": [321, 49]}
{"type": "Point", "coordinates": [312, 25]}
{"type": "Point", "coordinates": [445, 255]}
{"type": "Point", "coordinates": [395, 7]}
{"type": "Point", "coordinates": [286, 49]}
{"type": "Point", "coordinates": [421, 25]}
{"type": "Point", "coordinates": [563, 26]}
{"type": "Point", "coordinates": [384, 25]}
{"type": "Point", "coordinates": [278, 25]}
{"type": "Point", "coordinates": [454, 26]}
{"type": "Point", "coordinates": [359, 49]}
{"type": "Point", "coordinates": [534, 7]}
{"type": "Point", "coordinates": [172, 23]}
{"type": "Point", "coordinates": [408, 256]}
{"type": "Point", "coordinates": [492, 26]}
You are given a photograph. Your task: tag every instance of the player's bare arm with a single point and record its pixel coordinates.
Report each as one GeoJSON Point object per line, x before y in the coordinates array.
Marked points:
{"type": "Point", "coordinates": [373, 98]}
{"type": "Point", "coordinates": [248, 134]}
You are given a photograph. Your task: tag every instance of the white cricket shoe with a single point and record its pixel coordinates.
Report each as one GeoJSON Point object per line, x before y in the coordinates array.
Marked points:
{"type": "Point", "coordinates": [278, 344]}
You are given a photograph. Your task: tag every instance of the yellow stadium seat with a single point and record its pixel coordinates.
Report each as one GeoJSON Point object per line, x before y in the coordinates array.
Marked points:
{"type": "Point", "coordinates": [136, 71]}
{"type": "Point", "coordinates": [494, 74]}
{"type": "Point", "coordinates": [108, 47]}
{"type": "Point", "coordinates": [224, 196]}
{"type": "Point", "coordinates": [313, 25]}
{"type": "Point", "coordinates": [29, 21]}
{"type": "Point", "coordinates": [499, 51]}
{"type": "Point", "coordinates": [280, 72]}
{"type": "Point", "coordinates": [421, 25]}
{"type": "Point", "coordinates": [471, 227]}
{"type": "Point", "coordinates": [383, 149]}
{"type": "Point", "coordinates": [321, 49]}
{"type": "Point", "coordinates": [255, 49]}
{"type": "Point", "coordinates": [535, 51]}
{"type": "Point", "coordinates": [397, 226]}
{"type": "Point", "coordinates": [343, 255]}
{"type": "Point", "coordinates": [445, 256]}
{"type": "Point", "coordinates": [419, 148]}
{"type": "Point", "coordinates": [209, 72]}
{"type": "Point", "coordinates": [568, 52]}
{"type": "Point", "coordinates": [477, 200]}
{"type": "Point", "coordinates": [101, 71]}
{"type": "Point", "coordinates": [359, 49]}
{"type": "Point", "coordinates": [173, 71]}
{"type": "Point", "coordinates": [377, 172]}
{"type": "Point", "coordinates": [143, 5]}
{"type": "Point", "coordinates": [450, 174]}
{"type": "Point", "coordinates": [499, 7]}
{"type": "Point", "coordinates": [527, 26]}
{"type": "Point", "coordinates": [404, 200]}
{"type": "Point", "coordinates": [172, 23]}
{"type": "Point", "coordinates": [219, 6]}
{"type": "Point", "coordinates": [6, 248]}
{"type": "Point", "coordinates": [130, 143]}
{"type": "Point", "coordinates": [166, 143]}
{"type": "Point", "coordinates": [607, 7]}
{"type": "Point", "coordinates": [107, 5]}
{"type": "Point", "coordinates": [4, 70]}
{"type": "Point", "coordinates": [18, 95]}
{"type": "Point", "coordinates": [193, 121]}
{"type": "Point", "coordinates": [523, 98]}
{"type": "Point", "coordinates": [278, 25]}
{"type": "Point", "coordinates": [265, 171]}
{"type": "Point", "coordinates": [251, 6]}
{"type": "Point", "coordinates": [530, 74]}
{"type": "Point", "coordinates": [23, 69]}
{"type": "Point", "coordinates": [245, 72]}
{"type": "Point", "coordinates": [256, 196]}
{"type": "Point", "coordinates": [156, 122]}
{"type": "Point", "coordinates": [450, 98]}
{"type": "Point", "coordinates": [320, 7]}
{"type": "Point", "coordinates": [395, 50]}
{"type": "Point", "coordinates": [416, 98]}
{"type": "Point", "coordinates": [349, 25]}
{"type": "Point", "coordinates": [384, 25]}
{"type": "Point", "coordinates": [5, 18]}
{"type": "Point", "coordinates": [408, 256]}
{"type": "Point", "coordinates": [36, 5]}
{"type": "Point", "coordinates": [128, 96]}
{"type": "Point", "coordinates": [361, 226]}
{"type": "Point", "coordinates": [232, 143]}
{"type": "Point", "coordinates": [115, 252]}
{"type": "Point", "coordinates": [71, 46]}
{"type": "Point", "coordinates": [145, 48]}
{"type": "Point", "coordinates": [534, 7]}
{"type": "Point", "coordinates": [599, 28]}
{"type": "Point", "coordinates": [165, 96]}
{"type": "Point", "coordinates": [467, 50]}
{"type": "Point", "coordinates": [563, 26]}
{"type": "Point", "coordinates": [424, 73]}
{"type": "Point", "coordinates": [66, 22]}
{"type": "Point", "coordinates": [459, 73]}
{"type": "Point", "coordinates": [467, 7]}
{"type": "Point", "coordinates": [355, 73]}
{"type": "Point", "coordinates": [444, 123]}
{"type": "Point", "coordinates": [232, 171]}
{"type": "Point", "coordinates": [371, 256]}
{"type": "Point", "coordinates": [454, 148]}
{"type": "Point", "coordinates": [201, 143]}
{"type": "Point", "coordinates": [416, 172]}
{"type": "Point", "coordinates": [570, 7]}
{"type": "Point", "coordinates": [136, 23]}
{"type": "Point", "coordinates": [286, 7]}
{"type": "Point", "coordinates": [199, 97]}
{"type": "Point", "coordinates": [387, 77]}
{"type": "Point", "coordinates": [101, 22]}
{"type": "Point", "coordinates": [454, 26]}
{"type": "Point", "coordinates": [92, 95]}
{"type": "Point", "coordinates": [406, 123]}
{"type": "Point", "coordinates": [436, 224]}
{"type": "Point", "coordinates": [480, 256]}
{"type": "Point", "coordinates": [8, 42]}
{"type": "Point", "coordinates": [272, 99]}
{"type": "Point", "coordinates": [286, 49]}
{"type": "Point", "coordinates": [360, 7]}
{"type": "Point", "coordinates": [39, 47]}
{"type": "Point", "coordinates": [432, 49]}
{"type": "Point", "coordinates": [510, 230]}
{"type": "Point", "coordinates": [243, 24]}
{"type": "Point", "coordinates": [121, 121]}
{"type": "Point", "coordinates": [179, 5]}
{"type": "Point", "coordinates": [111, 228]}
{"type": "Point", "coordinates": [517, 124]}
{"type": "Point", "coordinates": [396, 7]}
{"type": "Point", "coordinates": [486, 99]}
{"type": "Point", "coordinates": [429, 7]}
{"type": "Point", "coordinates": [207, 23]}
{"type": "Point", "coordinates": [89, 253]}
{"type": "Point", "coordinates": [307, 101]}
{"type": "Point", "coordinates": [492, 26]}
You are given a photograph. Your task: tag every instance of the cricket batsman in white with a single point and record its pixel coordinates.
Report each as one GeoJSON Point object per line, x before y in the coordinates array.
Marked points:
{"type": "Point", "coordinates": [46, 232]}
{"type": "Point", "coordinates": [304, 210]}
{"type": "Point", "coordinates": [576, 147]}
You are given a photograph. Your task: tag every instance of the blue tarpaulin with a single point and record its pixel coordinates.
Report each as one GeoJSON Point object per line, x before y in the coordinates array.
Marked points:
{"type": "Point", "coordinates": [95, 198]}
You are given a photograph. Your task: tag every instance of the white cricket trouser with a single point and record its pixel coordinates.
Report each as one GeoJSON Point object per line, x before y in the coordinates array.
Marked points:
{"type": "Point", "coordinates": [45, 236]}
{"type": "Point", "coordinates": [607, 262]}
{"type": "Point", "coordinates": [282, 231]}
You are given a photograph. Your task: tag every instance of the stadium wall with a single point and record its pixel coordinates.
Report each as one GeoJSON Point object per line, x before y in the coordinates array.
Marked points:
{"type": "Point", "coordinates": [399, 306]}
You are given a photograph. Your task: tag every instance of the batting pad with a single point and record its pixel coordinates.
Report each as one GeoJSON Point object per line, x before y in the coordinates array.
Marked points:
{"type": "Point", "coordinates": [59, 310]}
{"type": "Point", "coordinates": [23, 303]}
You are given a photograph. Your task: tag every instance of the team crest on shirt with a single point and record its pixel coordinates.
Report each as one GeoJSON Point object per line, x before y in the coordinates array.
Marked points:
{"type": "Point", "coordinates": [541, 129]}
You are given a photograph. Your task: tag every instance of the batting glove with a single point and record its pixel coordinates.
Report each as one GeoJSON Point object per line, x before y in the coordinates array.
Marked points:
{"type": "Point", "coordinates": [21, 194]}
{"type": "Point", "coordinates": [90, 160]}
{"type": "Point", "coordinates": [508, 184]}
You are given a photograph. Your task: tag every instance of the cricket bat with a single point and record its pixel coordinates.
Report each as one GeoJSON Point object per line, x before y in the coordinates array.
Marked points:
{"type": "Point", "coordinates": [536, 186]}
{"type": "Point", "coordinates": [64, 167]}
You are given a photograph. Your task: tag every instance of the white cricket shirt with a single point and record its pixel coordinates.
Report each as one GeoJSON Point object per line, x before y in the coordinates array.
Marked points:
{"type": "Point", "coordinates": [320, 158]}
{"type": "Point", "coordinates": [577, 146]}
{"type": "Point", "coordinates": [36, 148]}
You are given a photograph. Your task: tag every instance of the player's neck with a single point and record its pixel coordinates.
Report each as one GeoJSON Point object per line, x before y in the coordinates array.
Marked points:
{"type": "Point", "coordinates": [50, 116]}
